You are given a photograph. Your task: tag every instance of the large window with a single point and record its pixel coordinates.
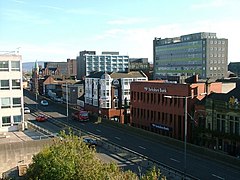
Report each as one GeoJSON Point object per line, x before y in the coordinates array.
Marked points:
{"type": "Point", "coordinates": [5, 102]}
{"type": "Point", "coordinates": [17, 119]}
{"type": "Point", "coordinates": [6, 120]}
{"type": "Point", "coordinates": [4, 85]}
{"type": "Point", "coordinates": [16, 102]}
{"type": "Point", "coordinates": [16, 84]}
{"type": "Point", "coordinates": [15, 66]}
{"type": "Point", "coordinates": [4, 66]}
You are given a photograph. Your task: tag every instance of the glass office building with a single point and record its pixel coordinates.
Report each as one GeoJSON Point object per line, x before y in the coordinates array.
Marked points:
{"type": "Point", "coordinates": [201, 53]}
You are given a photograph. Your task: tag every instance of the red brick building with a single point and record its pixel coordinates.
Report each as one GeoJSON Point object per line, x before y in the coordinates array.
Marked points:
{"type": "Point", "coordinates": [153, 110]}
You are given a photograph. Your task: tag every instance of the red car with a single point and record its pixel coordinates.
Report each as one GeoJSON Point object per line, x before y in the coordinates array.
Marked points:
{"type": "Point", "coordinates": [41, 118]}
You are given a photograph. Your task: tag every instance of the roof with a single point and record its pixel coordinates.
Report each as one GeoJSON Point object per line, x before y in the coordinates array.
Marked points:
{"type": "Point", "coordinates": [116, 75]}
{"type": "Point", "coordinates": [225, 97]}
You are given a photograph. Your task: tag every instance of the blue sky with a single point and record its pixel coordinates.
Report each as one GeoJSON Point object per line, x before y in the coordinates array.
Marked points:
{"type": "Point", "coordinates": [47, 30]}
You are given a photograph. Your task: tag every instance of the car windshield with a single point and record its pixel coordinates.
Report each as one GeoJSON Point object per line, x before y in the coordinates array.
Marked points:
{"type": "Point", "coordinates": [85, 114]}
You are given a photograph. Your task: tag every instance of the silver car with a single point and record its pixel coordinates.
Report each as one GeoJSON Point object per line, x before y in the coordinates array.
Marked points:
{"type": "Point", "coordinates": [27, 110]}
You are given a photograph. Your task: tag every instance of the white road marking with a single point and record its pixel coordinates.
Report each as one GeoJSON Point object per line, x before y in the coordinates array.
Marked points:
{"type": "Point", "coordinates": [98, 130]}
{"type": "Point", "coordinates": [219, 177]}
{"type": "Point", "coordinates": [117, 138]}
{"type": "Point", "coordinates": [175, 160]}
{"type": "Point", "coordinates": [142, 147]}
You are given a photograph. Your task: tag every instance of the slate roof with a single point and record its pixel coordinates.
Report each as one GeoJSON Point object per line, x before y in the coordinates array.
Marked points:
{"type": "Point", "coordinates": [116, 75]}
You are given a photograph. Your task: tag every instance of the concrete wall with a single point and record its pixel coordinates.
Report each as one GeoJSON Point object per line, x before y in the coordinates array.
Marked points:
{"type": "Point", "coordinates": [19, 153]}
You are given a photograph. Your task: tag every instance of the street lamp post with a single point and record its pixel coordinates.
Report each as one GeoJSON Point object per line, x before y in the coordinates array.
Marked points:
{"type": "Point", "coordinates": [185, 127]}
{"type": "Point", "coordinates": [67, 101]}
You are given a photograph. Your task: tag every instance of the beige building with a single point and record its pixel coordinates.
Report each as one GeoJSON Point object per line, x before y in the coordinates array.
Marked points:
{"type": "Point", "coordinates": [11, 92]}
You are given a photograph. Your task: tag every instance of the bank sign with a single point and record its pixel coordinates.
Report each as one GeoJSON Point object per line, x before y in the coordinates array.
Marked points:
{"type": "Point", "coordinates": [162, 127]}
{"type": "Point", "coordinates": [159, 90]}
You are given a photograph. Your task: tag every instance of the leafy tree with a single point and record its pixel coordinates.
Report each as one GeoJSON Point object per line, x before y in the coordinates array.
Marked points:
{"type": "Point", "coordinates": [71, 159]}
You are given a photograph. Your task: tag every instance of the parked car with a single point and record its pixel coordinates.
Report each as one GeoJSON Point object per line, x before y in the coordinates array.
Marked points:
{"type": "Point", "coordinates": [27, 110]}
{"type": "Point", "coordinates": [90, 142]}
{"type": "Point", "coordinates": [59, 100]}
{"type": "Point", "coordinates": [41, 118]}
{"type": "Point", "coordinates": [44, 103]}
{"type": "Point", "coordinates": [81, 116]}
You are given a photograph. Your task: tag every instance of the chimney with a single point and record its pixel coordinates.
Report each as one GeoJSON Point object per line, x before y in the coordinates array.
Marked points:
{"type": "Point", "coordinates": [195, 78]}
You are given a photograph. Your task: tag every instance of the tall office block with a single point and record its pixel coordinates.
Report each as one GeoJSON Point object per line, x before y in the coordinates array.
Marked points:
{"type": "Point", "coordinates": [11, 92]}
{"type": "Point", "coordinates": [88, 62]}
{"type": "Point", "coordinates": [200, 53]}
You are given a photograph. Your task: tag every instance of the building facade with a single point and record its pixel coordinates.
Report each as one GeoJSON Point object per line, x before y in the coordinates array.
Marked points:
{"type": "Point", "coordinates": [200, 53]}
{"type": "Point", "coordinates": [108, 94]}
{"type": "Point", "coordinates": [11, 93]}
{"type": "Point", "coordinates": [61, 66]}
{"type": "Point", "coordinates": [71, 91]}
{"type": "Point", "coordinates": [88, 62]}
{"type": "Point", "coordinates": [72, 67]}
{"type": "Point", "coordinates": [160, 107]}
{"type": "Point", "coordinates": [223, 121]}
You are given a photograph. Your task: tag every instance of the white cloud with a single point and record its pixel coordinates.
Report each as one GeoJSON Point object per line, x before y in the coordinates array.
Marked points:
{"type": "Point", "coordinates": [20, 2]}
{"type": "Point", "coordinates": [126, 21]}
{"type": "Point", "coordinates": [139, 42]}
{"type": "Point", "coordinates": [21, 16]}
{"type": "Point", "coordinates": [210, 4]}
{"type": "Point", "coordinates": [52, 7]}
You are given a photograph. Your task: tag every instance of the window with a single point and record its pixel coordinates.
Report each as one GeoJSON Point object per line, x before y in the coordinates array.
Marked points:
{"type": "Point", "coordinates": [16, 102]}
{"type": "Point", "coordinates": [6, 120]}
{"type": "Point", "coordinates": [15, 65]}
{"type": "Point", "coordinates": [107, 92]}
{"type": "Point", "coordinates": [115, 103]}
{"type": "Point", "coordinates": [16, 84]}
{"type": "Point", "coordinates": [4, 84]}
{"type": "Point", "coordinates": [4, 66]}
{"type": "Point", "coordinates": [5, 102]}
{"type": "Point", "coordinates": [17, 119]}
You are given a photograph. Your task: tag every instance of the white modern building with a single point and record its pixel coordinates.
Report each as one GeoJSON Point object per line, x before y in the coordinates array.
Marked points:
{"type": "Point", "coordinates": [108, 94]}
{"type": "Point", "coordinates": [11, 92]}
{"type": "Point", "coordinates": [88, 62]}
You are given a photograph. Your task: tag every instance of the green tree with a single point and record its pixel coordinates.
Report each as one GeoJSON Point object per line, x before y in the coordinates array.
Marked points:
{"type": "Point", "coordinates": [71, 159]}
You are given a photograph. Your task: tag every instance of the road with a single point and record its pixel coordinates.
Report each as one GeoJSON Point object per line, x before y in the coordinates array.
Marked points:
{"type": "Point", "coordinates": [198, 167]}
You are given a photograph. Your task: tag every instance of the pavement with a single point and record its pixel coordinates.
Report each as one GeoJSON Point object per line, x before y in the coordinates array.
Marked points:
{"type": "Point", "coordinates": [18, 136]}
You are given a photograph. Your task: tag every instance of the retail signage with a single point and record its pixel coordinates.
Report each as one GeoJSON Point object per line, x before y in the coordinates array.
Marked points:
{"type": "Point", "coordinates": [151, 89]}
{"type": "Point", "coordinates": [162, 127]}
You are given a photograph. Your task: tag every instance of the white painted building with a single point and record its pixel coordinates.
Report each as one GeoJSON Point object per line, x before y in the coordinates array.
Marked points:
{"type": "Point", "coordinates": [107, 61]}
{"type": "Point", "coordinates": [108, 93]}
{"type": "Point", "coordinates": [11, 92]}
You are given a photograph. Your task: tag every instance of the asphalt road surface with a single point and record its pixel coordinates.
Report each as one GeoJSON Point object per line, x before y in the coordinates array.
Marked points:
{"type": "Point", "coordinates": [202, 168]}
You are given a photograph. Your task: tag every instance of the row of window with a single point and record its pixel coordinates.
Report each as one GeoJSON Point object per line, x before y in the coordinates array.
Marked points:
{"type": "Point", "coordinates": [219, 61]}
{"type": "Point", "coordinates": [216, 68]}
{"type": "Point", "coordinates": [153, 98]}
{"type": "Point", "coordinates": [10, 84]}
{"type": "Point", "coordinates": [8, 102]}
{"type": "Point", "coordinates": [154, 116]}
{"type": "Point", "coordinates": [216, 75]}
{"type": "Point", "coordinates": [228, 127]}
{"type": "Point", "coordinates": [217, 42]}
{"type": "Point", "coordinates": [6, 120]}
{"type": "Point", "coordinates": [14, 65]}
{"type": "Point", "coordinates": [217, 48]}
{"type": "Point", "coordinates": [217, 55]}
